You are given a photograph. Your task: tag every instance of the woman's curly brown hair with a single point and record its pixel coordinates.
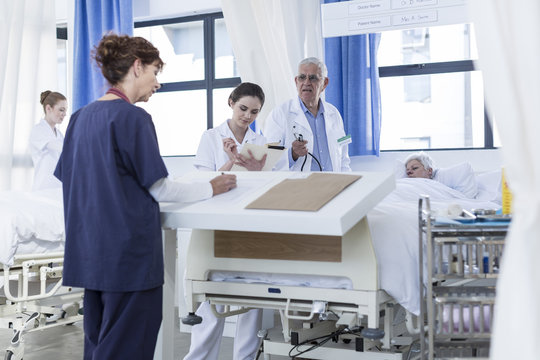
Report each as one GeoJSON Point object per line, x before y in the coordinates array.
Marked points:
{"type": "Point", "coordinates": [116, 53]}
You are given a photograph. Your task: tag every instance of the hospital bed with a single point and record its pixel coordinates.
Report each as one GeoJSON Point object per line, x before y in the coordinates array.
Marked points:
{"type": "Point", "coordinates": [31, 254]}
{"type": "Point", "coordinates": [330, 247]}
{"type": "Point", "coordinates": [374, 285]}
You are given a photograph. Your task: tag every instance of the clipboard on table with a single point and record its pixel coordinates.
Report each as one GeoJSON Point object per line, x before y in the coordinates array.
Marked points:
{"type": "Point", "coordinates": [306, 194]}
{"type": "Point", "coordinates": [273, 153]}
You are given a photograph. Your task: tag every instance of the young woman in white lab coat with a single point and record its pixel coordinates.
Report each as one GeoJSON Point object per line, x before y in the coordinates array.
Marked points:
{"type": "Point", "coordinates": [220, 147]}
{"type": "Point", "coordinates": [46, 140]}
{"type": "Point", "coordinates": [218, 150]}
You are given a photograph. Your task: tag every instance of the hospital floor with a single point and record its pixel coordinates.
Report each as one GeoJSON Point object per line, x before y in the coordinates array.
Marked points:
{"type": "Point", "coordinates": [66, 343]}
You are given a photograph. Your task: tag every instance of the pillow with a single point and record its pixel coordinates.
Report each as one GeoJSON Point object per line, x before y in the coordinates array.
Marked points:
{"type": "Point", "coordinates": [399, 169]}
{"type": "Point", "coordinates": [459, 177]}
{"type": "Point", "coordinates": [489, 186]}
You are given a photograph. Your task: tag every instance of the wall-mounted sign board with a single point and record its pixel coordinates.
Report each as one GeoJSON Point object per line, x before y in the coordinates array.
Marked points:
{"type": "Point", "coordinates": [371, 16]}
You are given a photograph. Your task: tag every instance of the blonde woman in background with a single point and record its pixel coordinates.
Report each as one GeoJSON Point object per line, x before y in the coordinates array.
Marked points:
{"type": "Point", "coordinates": [46, 140]}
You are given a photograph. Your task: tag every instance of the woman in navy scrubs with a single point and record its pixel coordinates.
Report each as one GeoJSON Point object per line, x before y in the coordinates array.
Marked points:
{"type": "Point", "coordinates": [113, 177]}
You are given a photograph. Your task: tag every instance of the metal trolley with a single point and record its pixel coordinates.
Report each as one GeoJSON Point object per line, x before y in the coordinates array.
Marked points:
{"type": "Point", "coordinates": [461, 269]}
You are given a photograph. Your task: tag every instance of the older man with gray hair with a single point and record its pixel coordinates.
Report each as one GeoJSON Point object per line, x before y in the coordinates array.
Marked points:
{"type": "Point", "coordinates": [308, 126]}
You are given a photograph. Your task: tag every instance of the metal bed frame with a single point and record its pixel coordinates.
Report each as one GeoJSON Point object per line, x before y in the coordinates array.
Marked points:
{"type": "Point", "coordinates": [40, 300]}
{"type": "Point", "coordinates": [461, 272]}
{"type": "Point", "coordinates": [361, 306]}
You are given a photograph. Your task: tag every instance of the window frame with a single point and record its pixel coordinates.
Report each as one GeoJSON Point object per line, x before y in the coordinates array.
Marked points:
{"type": "Point", "coordinates": [209, 83]}
{"type": "Point", "coordinates": [445, 67]}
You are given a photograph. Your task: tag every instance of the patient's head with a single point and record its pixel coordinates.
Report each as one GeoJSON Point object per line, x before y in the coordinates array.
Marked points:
{"type": "Point", "coordinates": [419, 165]}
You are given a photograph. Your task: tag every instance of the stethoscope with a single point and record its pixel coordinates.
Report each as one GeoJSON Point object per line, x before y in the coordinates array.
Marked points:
{"type": "Point", "coordinates": [300, 137]}
{"type": "Point", "coordinates": [296, 135]}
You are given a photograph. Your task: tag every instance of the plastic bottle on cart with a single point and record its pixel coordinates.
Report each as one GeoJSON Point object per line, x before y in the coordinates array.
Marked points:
{"type": "Point", "coordinates": [496, 265]}
{"type": "Point", "coordinates": [506, 196]}
{"type": "Point", "coordinates": [485, 262]}
{"type": "Point", "coordinates": [454, 265]}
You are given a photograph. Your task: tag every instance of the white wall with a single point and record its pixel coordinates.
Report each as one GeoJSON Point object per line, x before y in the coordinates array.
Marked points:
{"type": "Point", "coordinates": [61, 9]}
{"type": "Point", "coordinates": [162, 9]}
{"type": "Point", "coordinates": [152, 9]}
{"type": "Point", "coordinates": [481, 160]}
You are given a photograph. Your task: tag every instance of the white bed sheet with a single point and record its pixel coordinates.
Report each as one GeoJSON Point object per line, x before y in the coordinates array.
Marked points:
{"type": "Point", "coordinates": [30, 222]}
{"type": "Point", "coordinates": [394, 228]}
{"type": "Point", "coordinates": [325, 282]}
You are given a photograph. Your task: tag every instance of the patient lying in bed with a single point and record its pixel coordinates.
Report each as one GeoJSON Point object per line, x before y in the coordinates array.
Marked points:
{"type": "Point", "coordinates": [393, 224]}
{"type": "Point", "coordinates": [396, 246]}
{"type": "Point", "coordinates": [460, 177]}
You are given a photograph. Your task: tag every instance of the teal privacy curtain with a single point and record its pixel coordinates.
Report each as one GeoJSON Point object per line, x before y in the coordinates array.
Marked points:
{"type": "Point", "coordinates": [354, 88]}
{"type": "Point", "coordinates": [93, 19]}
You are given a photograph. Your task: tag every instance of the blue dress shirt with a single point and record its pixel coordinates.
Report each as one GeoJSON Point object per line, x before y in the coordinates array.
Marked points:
{"type": "Point", "coordinates": [320, 141]}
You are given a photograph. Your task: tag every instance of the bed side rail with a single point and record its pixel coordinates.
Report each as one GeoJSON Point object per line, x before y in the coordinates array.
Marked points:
{"type": "Point", "coordinates": [26, 268]}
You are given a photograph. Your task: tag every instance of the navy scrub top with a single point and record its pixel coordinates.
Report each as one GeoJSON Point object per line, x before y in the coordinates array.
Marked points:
{"type": "Point", "coordinates": [113, 231]}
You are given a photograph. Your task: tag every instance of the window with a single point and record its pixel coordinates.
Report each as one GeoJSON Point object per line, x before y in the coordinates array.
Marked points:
{"type": "Point", "coordinates": [61, 54]}
{"type": "Point", "coordinates": [62, 69]}
{"type": "Point", "coordinates": [432, 97]}
{"type": "Point", "coordinates": [199, 74]}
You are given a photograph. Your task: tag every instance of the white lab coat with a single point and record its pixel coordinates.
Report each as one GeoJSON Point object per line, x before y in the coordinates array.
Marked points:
{"type": "Point", "coordinates": [287, 120]}
{"type": "Point", "coordinates": [211, 156]}
{"type": "Point", "coordinates": [45, 147]}
{"type": "Point", "coordinates": [206, 336]}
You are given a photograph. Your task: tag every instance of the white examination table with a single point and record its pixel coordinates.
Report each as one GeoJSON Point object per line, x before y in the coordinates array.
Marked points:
{"type": "Point", "coordinates": [340, 230]}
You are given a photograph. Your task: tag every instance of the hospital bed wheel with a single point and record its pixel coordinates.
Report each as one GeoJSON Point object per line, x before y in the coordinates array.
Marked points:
{"type": "Point", "coordinates": [372, 334]}
{"type": "Point", "coordinates": [192, 319]}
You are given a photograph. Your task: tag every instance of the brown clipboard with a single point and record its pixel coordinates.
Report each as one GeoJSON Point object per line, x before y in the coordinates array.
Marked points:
{"type": "Point", "coordinates": [307, 194]}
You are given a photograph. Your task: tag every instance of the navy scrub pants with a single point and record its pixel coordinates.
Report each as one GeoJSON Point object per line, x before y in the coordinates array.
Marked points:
{"type": "Point", "coordinates": [121, 325]}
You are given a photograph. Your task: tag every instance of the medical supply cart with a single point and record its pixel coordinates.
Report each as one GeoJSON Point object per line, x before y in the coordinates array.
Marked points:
{"type": "Point", "coordinates": [461, 266]}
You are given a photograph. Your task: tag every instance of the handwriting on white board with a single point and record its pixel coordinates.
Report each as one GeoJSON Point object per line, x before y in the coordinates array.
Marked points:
{"type": "Point", "coordinates": [405, 4]}
{"type": "Point", "coordinates": [418, 18]}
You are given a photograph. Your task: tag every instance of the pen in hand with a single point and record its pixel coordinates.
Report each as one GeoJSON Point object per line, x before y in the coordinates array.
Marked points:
{"type": "Point", "coordinates": [223, 183]}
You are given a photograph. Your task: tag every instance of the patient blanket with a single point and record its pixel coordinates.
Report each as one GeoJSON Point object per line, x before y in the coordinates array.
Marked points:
{"type": "Point", "coordinates": [29, 218]}
{"type": "Point", "coordinates": [394, 229]}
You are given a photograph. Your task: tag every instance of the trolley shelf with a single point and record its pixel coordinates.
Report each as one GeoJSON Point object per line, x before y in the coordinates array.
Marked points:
{"type": "Point", "coordinates": [462, 264]}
